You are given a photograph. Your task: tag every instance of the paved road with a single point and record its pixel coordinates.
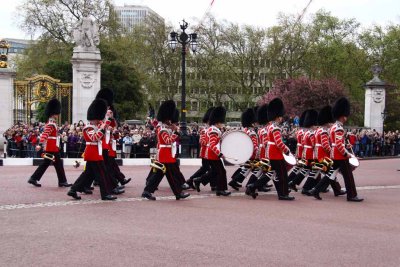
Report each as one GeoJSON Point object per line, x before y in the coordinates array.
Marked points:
{"type": "Point", "coordinates": [44, 227]}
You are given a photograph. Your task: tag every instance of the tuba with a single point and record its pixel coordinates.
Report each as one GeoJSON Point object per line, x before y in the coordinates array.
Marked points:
{"type": "Point", "coordinates": [48, 156]}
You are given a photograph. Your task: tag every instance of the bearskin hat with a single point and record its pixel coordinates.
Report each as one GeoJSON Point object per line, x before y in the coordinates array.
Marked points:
{"type": "Point", "coordinates": [341, 108]}
{"type": "Point", "coordinates": [175, 118]}
{"type": "Point", "coordinates": [262, 114]}
{"type": "Point", "coordinates": [301, 120]}
{"type": "Point", "coordinates": [53, 107]}
{"type": "Point", "coordinates": [248, 117]}
{"type": "Point", "coordinates": [206, 116]}
{"type": "Point", "coordinates": [107, 95]}
{"type": "Point", "coordinates": [97, 110]}
{"type": "Point", "coordinates": [275, 109]}
{"type": "Point", "coordinates": [325, 115]}
{"type": "Point", "coordinates": [311, 118]}
{"type": "Point", "coordinates": [166, 111]}
{"type": "Point", "coordinates": [217, 115]}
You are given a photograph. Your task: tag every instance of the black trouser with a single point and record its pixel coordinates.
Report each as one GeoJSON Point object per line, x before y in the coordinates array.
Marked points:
{"type": "Point", "coordinates": [110, 181]}
{"type": "Point", "coordinates": [58, 165]}
{"type": "Point", "coordinates": [179, 175]}
{"type": "Point", "coordinates": [205, 167]}
{"type": "Point", "coordinates": [153, 180]}
{"type": "Point", "coordinates": [218, 171]}
{"type": "Point", "coordinates": [280, 181]}
{"type": "Point", "coordinates": [172, 173]}
{"type": "Point", "coordinates": [209, 176]}
{"type": "Point", "coordinates": [347, 173]}
{"type": "Point", "coordinates": [115, 169]}
{"type": "Point", "coordinates": [96, 170]}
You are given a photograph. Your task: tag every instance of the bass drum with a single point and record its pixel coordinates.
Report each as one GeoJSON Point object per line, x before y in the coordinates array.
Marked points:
{"type": "Point", "coordinates": [237, 147]}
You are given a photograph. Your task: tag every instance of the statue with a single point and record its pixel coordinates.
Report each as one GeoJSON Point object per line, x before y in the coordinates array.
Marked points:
{"type": "Point", "coordinates": [86, 35]}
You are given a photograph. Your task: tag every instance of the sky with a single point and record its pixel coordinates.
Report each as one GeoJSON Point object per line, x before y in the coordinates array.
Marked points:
{"type": "Point", "coordinates": [253, 12]}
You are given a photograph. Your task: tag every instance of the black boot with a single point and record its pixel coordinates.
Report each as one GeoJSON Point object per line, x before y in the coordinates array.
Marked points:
{"type": "Point", "coordinates": [307, 186]}
{"type": "Point", "coordinates": [197, 182]}
{"type": "Point", "coordinates": [317, 189]}
{"type": "Point", "coordinates": [251, 191]}
{"type": "Point", "coordinates": [182, 196]}
{"type": "Point", "coordinates": [148, 195]}
{"type": "Point", "coordinates": [190, 183]}
{"type": "Point", "coordinates": [34, 182]}
{"type": "Point", "coordinates": [337, 189]}
{"type": "Point", "coordinates": [125, 181]}
{"type": "Point", "coordinates": [72, 193]}
{"type": "Point", "coordinates": [234, 185]}
{"type": "Point", "coordinates": [223, 193]}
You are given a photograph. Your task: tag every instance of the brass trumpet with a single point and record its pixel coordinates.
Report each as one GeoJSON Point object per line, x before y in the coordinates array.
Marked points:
{"type": "Point", "coordinates": [158, 165]}
{"type": "Point", "coordinates": [265, 165]}
{"type": "Point", "coordinates": [48, 156]}
{"type": "Point", "coordinates": [302, 163]}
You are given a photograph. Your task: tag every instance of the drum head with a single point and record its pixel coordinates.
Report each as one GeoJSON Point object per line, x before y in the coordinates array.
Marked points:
{"type": "Point", "coordinates": [290, 159]}
{"type": "Point", "coordinates": [354, 161]}
{"type": "Point", "coordinates": [237, 147]}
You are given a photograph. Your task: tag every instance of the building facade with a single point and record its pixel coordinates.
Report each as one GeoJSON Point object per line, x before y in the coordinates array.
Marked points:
{"type": "Point", "coordinates": [132, 15]}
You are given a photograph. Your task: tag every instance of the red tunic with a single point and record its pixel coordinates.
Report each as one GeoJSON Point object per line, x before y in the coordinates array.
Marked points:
{"type": "Point", "coordinates": [49, 137]}
{"type": "Point", "coordinates": [299, 138]}
{"type": "Point", "coordinates": [107, 136]}
{"type": "Point", "coordinates": [275, 147]}
{"type": "Point", "coordinates": [213, 143]}
{"type": "Point", "coordinates": [322, 146]}
{"type": "Point", "coordinates": [254, 138]}
{"type": "Point", "coordinates": [93, 136]}
{"type": "Point", "coordinates": [308, 145]}
{"type": "Point", "coordinates": [112, 146]}
{"type": "Point", "coordinates": [165, 139]}
{"type": "Point", "coordinates": [336, 136]}
{"type": "Point", "coordinates": [203, 142]}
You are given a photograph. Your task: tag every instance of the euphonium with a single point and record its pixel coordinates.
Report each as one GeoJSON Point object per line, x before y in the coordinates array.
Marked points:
{"type": "Point", "coordinates": [158, 165]}
{"type": "Point", "coordinates": [265, 165]}
{"type": "Point", "coordinates": [48, 156]}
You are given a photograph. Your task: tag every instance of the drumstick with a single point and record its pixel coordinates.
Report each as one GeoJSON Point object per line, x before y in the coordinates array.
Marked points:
{"type": "Point", "coordinates": [235, 159]}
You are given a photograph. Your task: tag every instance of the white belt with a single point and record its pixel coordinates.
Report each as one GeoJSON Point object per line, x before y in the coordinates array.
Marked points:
{"type": "Point", "coordinates": [99, 146]}
{"type": "Point", "coordinates": [52, 137]}
{"type": "Point", "coordinates": [336, 145]}
{"type": "Point", "coordinates": [308, 146]}
{"type": "Point", "coordinates": [260, 145]}
{"type": "Point", "coordinates": [162, 146]}
{"type": "Point", "coordinates": [318, 145]}
{"type": "Point", "coordinates": [299, 145]}
{"type": "Point", "coordinates": [270, 143]}
{"type": "Point", "coordinates": [92, 143]}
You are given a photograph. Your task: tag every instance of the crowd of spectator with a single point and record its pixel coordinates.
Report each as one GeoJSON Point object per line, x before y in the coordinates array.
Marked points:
{"type": "Point", "coordinates": [138, 141]}
{"type": "Point", "coordinates": [133, 141]}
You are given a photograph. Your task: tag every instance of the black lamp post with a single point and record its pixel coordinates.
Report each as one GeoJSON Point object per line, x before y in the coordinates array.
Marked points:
{"type": "Point", "coordinates": [185, 40]}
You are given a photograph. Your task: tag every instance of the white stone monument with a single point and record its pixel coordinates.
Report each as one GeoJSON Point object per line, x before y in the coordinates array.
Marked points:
{"type": "Point", "coordinates": [86, 67]}
{"type": "Point", "coordinates": [375, 101]}
{"type": "Point", "coordinates": [6, 101]}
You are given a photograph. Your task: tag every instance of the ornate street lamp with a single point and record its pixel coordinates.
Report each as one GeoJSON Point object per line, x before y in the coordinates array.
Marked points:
{"type": "Point", "coordinates": [185, 40]}
{"type": "Point", "coordinates": [4, 47]}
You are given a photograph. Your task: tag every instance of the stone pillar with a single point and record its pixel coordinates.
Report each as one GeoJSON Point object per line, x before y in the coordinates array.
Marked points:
{"type": "Point", "coordinates": [6, 101]}
{"type": "Point", "coordinates": [86, 68]}
{"type": "Point", "coordinates": [375, 96]}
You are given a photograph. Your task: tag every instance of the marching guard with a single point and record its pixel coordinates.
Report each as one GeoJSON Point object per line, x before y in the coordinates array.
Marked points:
{"type": "Point", "coordinates": [165, 155]}
{"type": "Point", "coordinates": [50, 142]}
{"type": "Point", "coordinates": [93, 133]}
{"type": "Point", "coordinates": [322, 152]}
{"type": "Point", "coordinates": [339, 154]}
{"type": "Point", "coordinates": [248, 120]}
{"type": "Point", "coordinates": [213, 153]}
{"type": "Point", "coordinates": [276, 148]}
{"type": "Point", "coordinates": [300, 167]}
{"type": "Point", "coordinates": [205, 166]}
